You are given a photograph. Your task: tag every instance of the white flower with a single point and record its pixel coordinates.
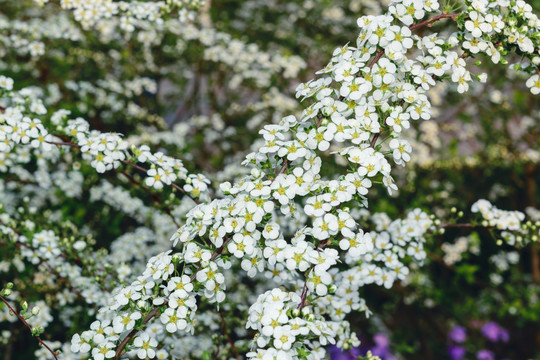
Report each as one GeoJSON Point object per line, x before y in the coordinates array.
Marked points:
{"type": "Point", "coordinates": [400, 150]}
{"type": "Point", "coordinates": [210, 276]}
{"type": "Point", "coordinates": [383, 72]}
{"type": "Point", "coordinates": [319, 282]}
{"type": "Point", "coordinates": [6, 83]}
{"type": "Point", "coordinates": [476, 24]}
{"type": "Point", "coordinates": [172, 320]}
{"type": "Point", "coordinates": [408, 11]}
{"type": "Point", "coordinates": [103, 351]}
{"type": "Point", "coordinates": [271, 231]}
{"type": "Point", "coordinates": [283, 338]}
{"type": "Point", "coordinates": [534, 84]}
{"type": "Point", "coordinates": [358, 245]}
{"type": "Point", "coordinates": [356, 89]}
{"type": "Point", "coordinates": [155, 178]}
{"type": "Point", "coordinates": [360, 183]}
{"type": "Point", "coordinates": [317, 205]}
{"type": "Point", "coordinates": [325, 226]}
{"type": "Point", "coordinates": [280, 188]}
{"type": "Point", "coordinates": [81, 343]}
{"type": "Point", "coordinates": [461, 76]}
{"type": "Point", "coordinates": [125, 322]}
{"type": "Point", "coordinates": [181, 286]}
{"type": "Point", "coordinates": [398, 119]}
{"type": "Point", "coordinates": [291, 149]}
{"type": "Point", "coordinates": [146, 346]}
{"type": "Point", "coordinates": [401, 39]}
{"type": "Point", "coordinates": [298, 257]}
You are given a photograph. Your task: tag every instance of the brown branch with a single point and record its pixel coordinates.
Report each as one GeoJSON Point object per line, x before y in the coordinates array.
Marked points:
{"type": "Point", "coordinates": [433, 19]}
{"type": "Point", "coordinates": [68, 143]}
{"type": "Point", "coordinates": [374, 140]}
{"type": "Point", "coordinates": [172, 184]}
{"type": "Point", "coordinates": [154, 196]}
{"type": "Point", "coordinates": [63, 143]}
{"type": "Point", "coordinates": [530, 186]}
{"type": "Point", "coordinates": [28, 326]}
{"type": "Point", "coordinates": [151, 314]}
{"type": "Point", "coordinates": [284, 167]}
{"type": "Point", "coordinates": [380, 53]}
{"type": "Point", "coordinates": [413, 27]}
{"type": "Point", "coordinates": [229, 339]}
{"type": "Point", "coordinates": [470, 226]}
{"type": "Point", "coordinates": [304, 292]}
{"type": "Point", "coordinates": [321, 245]}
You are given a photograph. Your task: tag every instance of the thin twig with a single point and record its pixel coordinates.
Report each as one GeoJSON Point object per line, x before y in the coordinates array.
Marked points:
{"type": "Point", "coordinates": [154, 196]}
{"type": "Point", "coordinates": [433, 19]}
{"type": "Point", "coordinates": [229, 339]}
{"type": "Point", "coordinates": [374, 140]}
{"type": "Point", "coordinates": [68, 143]}
{"type": "Point", "coordinates": [172, 184]}
{"type": "Point", "coordinates": [151, 314]}
{"type": "Point", "coordinates": [28, 326]}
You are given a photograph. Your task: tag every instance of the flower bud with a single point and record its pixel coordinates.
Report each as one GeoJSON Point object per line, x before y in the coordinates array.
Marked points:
{"type": "Point", "coordinates": [79, 245]}
{"type": "Point", "coordinates": [141, 304]}
{"type": "Point", "coordinates": [35, 310]}
{"type": "Point", "coordinates": [225, 187]}
{"type": "Point", "coordinates": [327, 111]}
{"type": "Point", "coordinates": [256, 173]}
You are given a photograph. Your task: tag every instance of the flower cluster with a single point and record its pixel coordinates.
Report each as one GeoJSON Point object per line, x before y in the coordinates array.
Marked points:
{"type": "Point", "coordinates": [126, 15]}
{"type": "Point", "coordinates": [514, 229]}
{"type": "Point", "coordinates": [490, 330]}
{"type": "Point", "coordinates": [453, 252]}
{"type": "Point", "coordinates": [277, 319]}
{"type": "Point", "coordinates": [295, 221]}
{"type": "Point", "coordinates": [104, 151]}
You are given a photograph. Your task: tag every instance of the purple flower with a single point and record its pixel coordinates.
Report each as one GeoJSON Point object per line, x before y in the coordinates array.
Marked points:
{"type": "Point", "coordinates": [503, 335]}
{"type": "Point", "coordinates": [493, 332]}
{"type": "Point", "coordinates": [485, 355]}
{"type": "Point", "coordinates": [458, 334]}
{"type": "Point", "coordinates": [456, 352]}
{"type": "Point", "coordinates": [381, 340]}
{"type": "Point", "coordinates": [381, 348]}
{"type": "Point", "coordinates": [339, 354]}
